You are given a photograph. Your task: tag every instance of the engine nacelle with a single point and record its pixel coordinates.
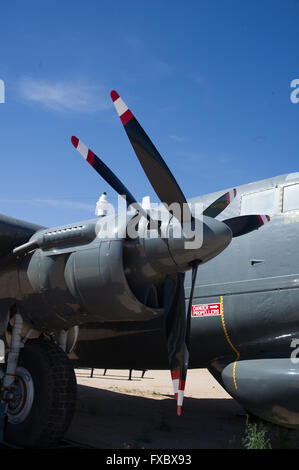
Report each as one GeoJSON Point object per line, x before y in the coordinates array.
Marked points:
{"type": "Point", "coordinates": [70, 286]}
{"type": "Point", "coordinates": [94, 272]}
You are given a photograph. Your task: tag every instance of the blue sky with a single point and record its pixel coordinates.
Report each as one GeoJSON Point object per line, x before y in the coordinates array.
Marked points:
{"type": "Point", "coordinates": [209, 80]}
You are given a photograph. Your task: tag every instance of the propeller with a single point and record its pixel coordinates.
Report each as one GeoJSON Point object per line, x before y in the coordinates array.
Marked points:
{"type": "Point", "coordinates": [155, 168]}
{"type": "Point", "coordinates": [177, 326]}
{"type": "Point", "coordinates": [246, 223]}
{"type": "Point", "coordinates": [220, 204]}
{"type": "Point", "coordinates": [177, 320]}
{"type": "Point", "coordinates": [177, 317]}
{"type": "Point", "coordinates": [240, 225]}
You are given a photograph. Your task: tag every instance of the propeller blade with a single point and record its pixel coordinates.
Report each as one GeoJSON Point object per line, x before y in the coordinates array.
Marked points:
{"type": "Point", "coordinates": [220, 204]}
{"type": "Point", "coordinates": [246, 223]}
{"type": "Point", "coordinates": [103, 170]}
{"type": "Point", "coordinates": [155, 168]}
{"type": "Point", "coordinates": [108, 176]}
{"type": "Point", "coordinates": [177, 325]}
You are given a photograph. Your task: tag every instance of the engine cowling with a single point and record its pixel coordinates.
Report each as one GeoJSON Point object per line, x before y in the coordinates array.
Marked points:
{"type": "Point", "coordinates": [67, 286]}
{"type": "Point", "coordinates": [94, 273]}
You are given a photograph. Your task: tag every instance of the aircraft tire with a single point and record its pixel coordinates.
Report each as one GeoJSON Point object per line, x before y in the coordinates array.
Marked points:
{"type": "Point", "coordinates": [50, 397]}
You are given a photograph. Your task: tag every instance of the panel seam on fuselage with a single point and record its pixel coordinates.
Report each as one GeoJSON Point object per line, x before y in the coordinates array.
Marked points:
{"type": "Point", "coordinates": [229, 342]}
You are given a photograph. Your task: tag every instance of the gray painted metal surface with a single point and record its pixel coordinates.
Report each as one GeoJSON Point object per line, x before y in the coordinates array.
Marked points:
{"type": "Point", "coordinates": [81, 280]}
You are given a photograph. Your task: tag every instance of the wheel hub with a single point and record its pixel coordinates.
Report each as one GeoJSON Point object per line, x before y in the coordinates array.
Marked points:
{"type": "Point", "coordinates": [20, 404]}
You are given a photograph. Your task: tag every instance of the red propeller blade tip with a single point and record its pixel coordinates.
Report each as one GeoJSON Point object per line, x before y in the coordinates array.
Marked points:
{"type": "Point", "coordinates": [231, 195]}
{"type": "Point", "coordinates": [114, 95]}
{"type": "Point", "coordinates": [85, 151]}
{"type": "Point", "coordinates": [179, 410]}
{"type": "Point", "coordinates": [75, 141]}
{"type": "Point", "coordinates": [264, 219]}
{"type": "Point", "coordinates": [121, 108]}
{"type": "Point", "coordinates": [175, 375]}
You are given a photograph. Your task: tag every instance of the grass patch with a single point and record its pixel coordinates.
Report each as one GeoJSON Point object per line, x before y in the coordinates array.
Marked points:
{"type": "Point", "coordinates": [255, 436]}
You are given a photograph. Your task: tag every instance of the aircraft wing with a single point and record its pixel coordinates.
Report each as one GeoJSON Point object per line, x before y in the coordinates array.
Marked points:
{"type": "Point", "coordinates": [14, 232]}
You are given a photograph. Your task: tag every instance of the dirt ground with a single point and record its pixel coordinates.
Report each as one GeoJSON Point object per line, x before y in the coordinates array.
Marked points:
{"type": "Point", "coordinates": [115, 413]}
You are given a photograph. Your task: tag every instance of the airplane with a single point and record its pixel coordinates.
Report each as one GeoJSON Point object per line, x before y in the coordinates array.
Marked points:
{"type": "Point", "coordinates": [89, 295]}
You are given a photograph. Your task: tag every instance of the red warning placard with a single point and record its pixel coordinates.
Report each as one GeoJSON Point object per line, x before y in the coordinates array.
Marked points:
{"type": "Point", "coordinates": [206, 310]}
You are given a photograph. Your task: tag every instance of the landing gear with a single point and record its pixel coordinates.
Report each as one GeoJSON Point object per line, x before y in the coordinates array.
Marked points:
{"type": "Point", "coordinates": [43, 397]}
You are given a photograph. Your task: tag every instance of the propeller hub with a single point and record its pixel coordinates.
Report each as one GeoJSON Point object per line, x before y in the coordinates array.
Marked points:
{"type": "Point", "coordinates": [206, 239]}
{"type": "Point", "coordinates": [161, 252]}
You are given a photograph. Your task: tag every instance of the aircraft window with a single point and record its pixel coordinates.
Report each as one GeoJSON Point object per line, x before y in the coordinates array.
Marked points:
{"type": "Point", "coordinates": [261, 202]}
{"type": "Point", "coordinates": [291, 197]}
